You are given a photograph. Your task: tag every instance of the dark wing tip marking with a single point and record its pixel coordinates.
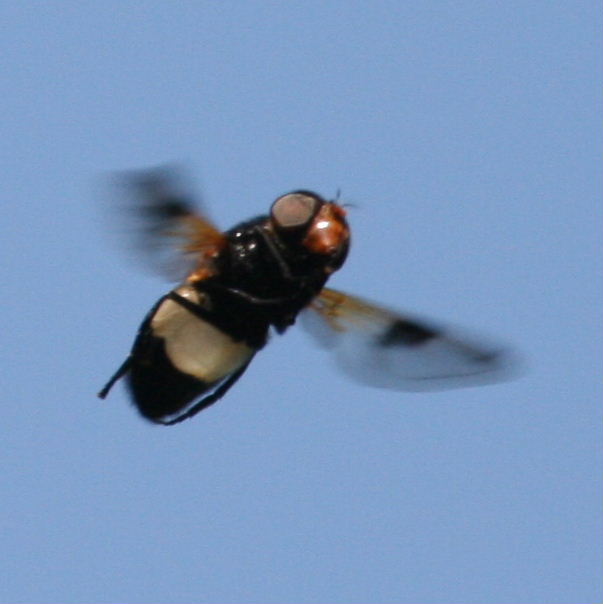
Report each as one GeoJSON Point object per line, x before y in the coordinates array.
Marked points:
{"type": "Point", "coordinates": [407, 333]}
{"type": "Point", "coordinates": [487, 357]}
{"type": "Point", "coordinates": [159, 193]}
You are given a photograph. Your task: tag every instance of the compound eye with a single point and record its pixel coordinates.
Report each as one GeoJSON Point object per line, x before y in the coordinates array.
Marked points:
{"type": "Point", "coordinates": [294, 210]}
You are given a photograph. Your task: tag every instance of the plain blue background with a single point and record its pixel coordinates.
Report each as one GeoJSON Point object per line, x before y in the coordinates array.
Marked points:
{"type": "Point", "coordinates": [467, 135]}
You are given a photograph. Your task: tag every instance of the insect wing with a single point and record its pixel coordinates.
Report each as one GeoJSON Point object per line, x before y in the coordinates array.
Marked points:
{"type": "Point", "coordinates": [382, 348]}
{"type": "Point", "coordinates": [163, 224]}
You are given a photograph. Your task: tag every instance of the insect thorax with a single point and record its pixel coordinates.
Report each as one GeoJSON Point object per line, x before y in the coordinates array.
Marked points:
{"type": "Point", "coordinates": [259, 283]}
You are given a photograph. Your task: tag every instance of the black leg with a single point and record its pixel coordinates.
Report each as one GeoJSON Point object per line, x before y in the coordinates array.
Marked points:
{"type": "Point", "coordinates": [243, 295]}
{"type": "Point", "coordinates": [200, 312]}
{"type": "Point", "coordinates": [116, 376]}
{"type": "Point", "coordinates": [285, 272]}
{"type": "Point", "coordinates": [208, 400]}
{"type": "Point", "coordinates": [193, 307]}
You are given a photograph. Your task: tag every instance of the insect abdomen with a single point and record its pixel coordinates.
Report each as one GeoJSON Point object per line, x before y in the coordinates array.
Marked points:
{"type": "Point", "coordinates": [178, 356]}
{"type": "Point", "coordinates": [158, 388]}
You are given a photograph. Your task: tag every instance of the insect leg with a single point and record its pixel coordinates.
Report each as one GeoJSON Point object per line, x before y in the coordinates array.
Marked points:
{"type": "Point", "coordinates": [192, 307]}
{"type": "Point", "coordinates": [116, 376]}
{"type": "Point", "coordinates": [285, 272]}
{"type": "Point", "coordinates": [208, 400]}
{"type": "Point", "coordinates": [233, 291]}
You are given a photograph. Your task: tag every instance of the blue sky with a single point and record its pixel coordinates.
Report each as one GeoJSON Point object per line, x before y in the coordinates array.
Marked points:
{"type": "Point", "coordinates": [467, 135]}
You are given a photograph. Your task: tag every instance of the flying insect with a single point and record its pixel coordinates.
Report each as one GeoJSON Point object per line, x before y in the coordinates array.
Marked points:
{"type": "Point", "coordinates": [260, 276]}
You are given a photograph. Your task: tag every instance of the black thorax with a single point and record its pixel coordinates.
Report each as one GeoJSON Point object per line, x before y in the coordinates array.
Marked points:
{"type": "Point", "coordinates": [261, 281]}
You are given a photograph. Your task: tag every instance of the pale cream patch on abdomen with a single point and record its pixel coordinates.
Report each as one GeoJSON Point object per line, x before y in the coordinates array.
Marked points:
{"type": "Point", "coordinates": [193, 345]}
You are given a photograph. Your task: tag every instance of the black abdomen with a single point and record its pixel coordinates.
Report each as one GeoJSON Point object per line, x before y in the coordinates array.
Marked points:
{"type": "Point", "coordinates": [157, 387]}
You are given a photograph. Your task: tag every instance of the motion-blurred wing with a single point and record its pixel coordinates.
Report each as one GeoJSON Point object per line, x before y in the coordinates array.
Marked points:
{"type": "Point", "coordinates": [163, 224]}
{"type": "Point", "coordinates": [381, 348]}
